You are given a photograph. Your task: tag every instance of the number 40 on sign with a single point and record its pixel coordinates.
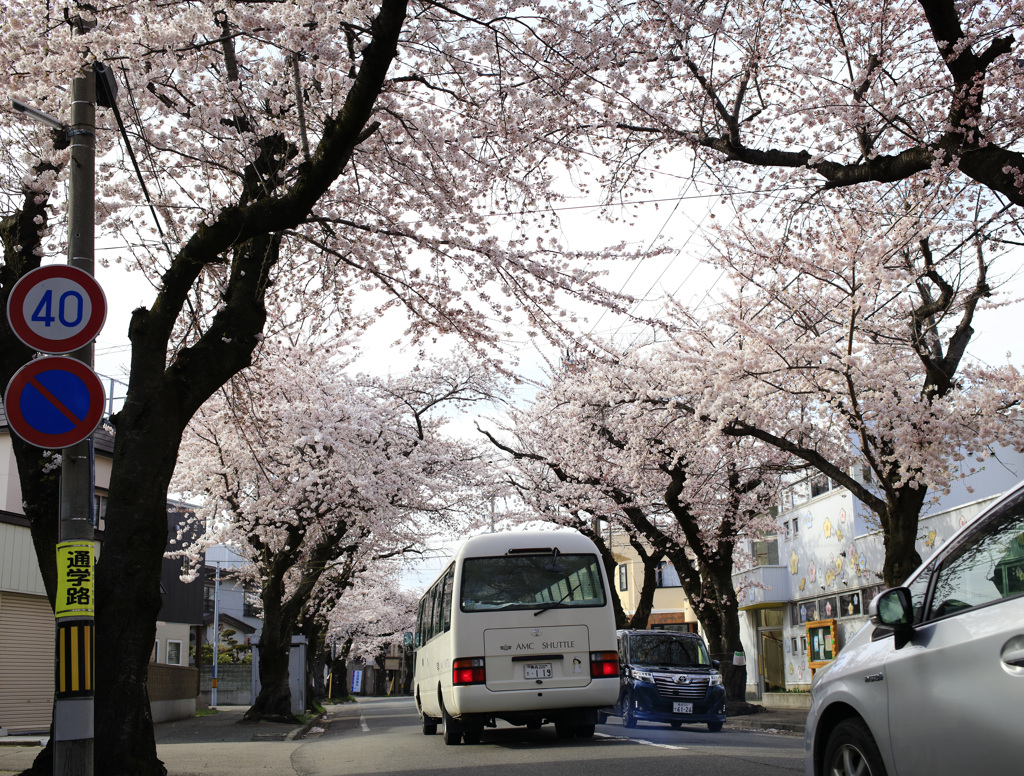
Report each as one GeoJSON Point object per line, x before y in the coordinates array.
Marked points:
{"type": "Point", "coordinates": [56, 309]}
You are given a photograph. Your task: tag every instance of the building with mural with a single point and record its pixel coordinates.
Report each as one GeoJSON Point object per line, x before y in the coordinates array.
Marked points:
{"type": "Point", "coordinates": [809, 588]}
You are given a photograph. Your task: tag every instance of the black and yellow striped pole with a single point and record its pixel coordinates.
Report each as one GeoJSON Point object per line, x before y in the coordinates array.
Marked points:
{"type": "Point", "coordinates": [75, 675]}
{"type": "Point", "coordinates": [75, 614]}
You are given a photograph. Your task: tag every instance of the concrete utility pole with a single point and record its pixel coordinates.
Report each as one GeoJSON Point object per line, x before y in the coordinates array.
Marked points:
{"type": "Point", "coordinates": [216, 637]}
{"type": "Point", "coordinates": [74, 699]}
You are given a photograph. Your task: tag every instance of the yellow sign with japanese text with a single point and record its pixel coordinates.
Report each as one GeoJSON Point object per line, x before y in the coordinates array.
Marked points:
{"type": "Point", "coordinates": [75, 567]}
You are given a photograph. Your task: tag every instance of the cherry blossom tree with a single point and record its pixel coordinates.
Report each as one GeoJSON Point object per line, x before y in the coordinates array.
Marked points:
{"type": "Point", "coordinates": [373, 617]}
{"type": "Point", "coordinates": [315, 477]}
{"type": "Point", "coordinates": [613, 441]}
{"type": "Point", "coordinates": [846, 341]}
{"type": "Point", "coordinates": [298, 168]}
{"type": "Point", "coordinates": [783, 97]}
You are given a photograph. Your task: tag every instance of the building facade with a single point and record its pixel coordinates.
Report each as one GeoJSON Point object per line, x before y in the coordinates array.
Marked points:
{"type": "Point", "coordinates": [810, 588]}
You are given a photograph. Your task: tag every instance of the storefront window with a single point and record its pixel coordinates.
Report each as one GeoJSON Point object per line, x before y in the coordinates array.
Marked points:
{"type": "Point", "coordinates": [850, 605]}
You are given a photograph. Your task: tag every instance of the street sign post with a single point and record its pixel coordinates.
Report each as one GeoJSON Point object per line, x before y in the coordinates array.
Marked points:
{"type": "Point", "coordinates": [56, 309]}
{"type": "Point", "coordinates": [54, 402]}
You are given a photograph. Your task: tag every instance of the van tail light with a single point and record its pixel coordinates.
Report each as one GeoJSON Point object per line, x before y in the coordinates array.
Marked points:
{"type": "Point", "coordinates": [604, 664]}
{"type": "Point", "coordinates": [468, 670]}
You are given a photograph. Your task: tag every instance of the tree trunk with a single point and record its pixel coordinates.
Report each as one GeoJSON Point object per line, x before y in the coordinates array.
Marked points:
{"type": "Point", "coordinates": [645, 603]}
{"type": "Point", "coordinates": [728, 641]}
{"type": "Point", "coordinates": [128, 597]}
{"type": "Point", "coordinates": [318, 657]}
{"type": "Point", "coordinates": [274, 701]}
{"type": "Point", "coordinates": [714, 602]}
{"type": "Point", "coordinates": [899, 534]}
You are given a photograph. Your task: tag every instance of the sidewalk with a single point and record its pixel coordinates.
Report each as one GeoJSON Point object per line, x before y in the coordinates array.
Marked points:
{"type": "Point", "coordinates": [176, 743]}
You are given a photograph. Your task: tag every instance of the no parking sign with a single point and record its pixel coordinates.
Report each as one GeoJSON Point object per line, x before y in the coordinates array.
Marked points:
{"type": "Point", "coordinates": [54, 402]}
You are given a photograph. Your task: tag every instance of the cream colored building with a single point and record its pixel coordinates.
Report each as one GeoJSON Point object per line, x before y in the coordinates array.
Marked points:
{"type": "Point", "coordinates": [671, 610]}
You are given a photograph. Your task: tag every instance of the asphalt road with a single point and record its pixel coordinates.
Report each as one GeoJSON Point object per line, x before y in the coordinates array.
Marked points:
{"type": "Point", "coordinates": [389, 741]}
{"type": "Point", "coordinates": [383, 736]}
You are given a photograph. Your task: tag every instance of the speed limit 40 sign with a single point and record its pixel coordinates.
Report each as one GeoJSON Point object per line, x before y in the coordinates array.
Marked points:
{"type": "Point", "coordinates": [56, 309]}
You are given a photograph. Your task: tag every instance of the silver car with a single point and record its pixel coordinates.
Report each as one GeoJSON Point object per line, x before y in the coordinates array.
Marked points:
{"type": "Point", "coordinates": [934, 683]}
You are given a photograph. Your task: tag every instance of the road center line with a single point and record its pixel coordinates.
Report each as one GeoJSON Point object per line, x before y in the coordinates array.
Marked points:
{"type": "Point", "coordinates": [363, 725]}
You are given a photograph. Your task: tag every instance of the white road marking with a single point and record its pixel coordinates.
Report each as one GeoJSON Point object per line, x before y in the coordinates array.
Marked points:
{"type": "Point", "coordinates": [639, 741]}
{"type": "Point", "coordinates": [363, 725]}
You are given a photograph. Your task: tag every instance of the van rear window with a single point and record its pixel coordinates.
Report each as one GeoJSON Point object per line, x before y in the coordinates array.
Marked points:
{"type": "Point", "coordinates": [666, 650]}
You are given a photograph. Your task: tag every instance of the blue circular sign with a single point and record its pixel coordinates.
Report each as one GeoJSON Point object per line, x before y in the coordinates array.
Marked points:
{"type": "Point", "coordinates": [54, 402]}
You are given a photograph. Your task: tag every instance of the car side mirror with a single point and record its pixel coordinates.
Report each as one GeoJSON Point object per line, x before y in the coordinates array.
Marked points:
{"type": "Point", "coordinates": [716, 664]}
{"type": "Point", "coordinates": [892, 611]}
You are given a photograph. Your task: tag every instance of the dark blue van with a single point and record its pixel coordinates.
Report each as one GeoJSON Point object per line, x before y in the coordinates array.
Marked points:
{"type": "Point", "coordinates": [666, 676]}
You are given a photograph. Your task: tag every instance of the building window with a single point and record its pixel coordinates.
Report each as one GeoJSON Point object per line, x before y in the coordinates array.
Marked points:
{"type": "Point", "coordinates": [850, 605]}
{"type": "Point", "coordinates": [623, 577]}
{"type": "Point", "coordinates": [796, 526]}
{"type": "Point", "coordinates": [99, 511]}
{"type": "Point", "coordinates": [666, 576]}
{"type": "Point", "coordinates": [803, 645]}
{"type": "Point", "coordinates": [766, 552]}
{"type": "Point", "coordinates": [820, 485]}
{"type": "Point", "coordinates": [208, 599]}
{"type": "Point", "coordinates": [251, 606]}
{"type": "Point", "coordinates": [173, 653]}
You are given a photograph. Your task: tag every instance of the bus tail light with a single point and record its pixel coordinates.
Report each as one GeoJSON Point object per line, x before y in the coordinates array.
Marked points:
{"type": "Point", "coordinates": [604, 664]}
{"type": "Point", "coordinates": [468, 670]}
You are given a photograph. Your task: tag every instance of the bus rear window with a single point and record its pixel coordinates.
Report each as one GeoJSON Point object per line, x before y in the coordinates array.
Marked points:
{"type": "Point", "coordinates": [531, 582]}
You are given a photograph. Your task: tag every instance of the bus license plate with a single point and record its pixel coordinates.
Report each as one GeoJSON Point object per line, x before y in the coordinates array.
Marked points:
{"type": "Point", "coordinates": [682, 708]}
{"type": "Point", "coordinates": [537, 670]}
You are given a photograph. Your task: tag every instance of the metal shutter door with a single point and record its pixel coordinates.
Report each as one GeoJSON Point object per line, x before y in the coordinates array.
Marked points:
{"type": "Point", "coordinates": [26, 663]}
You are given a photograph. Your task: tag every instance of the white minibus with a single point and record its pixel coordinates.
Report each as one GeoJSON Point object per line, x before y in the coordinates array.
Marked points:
{"type": "Point", "coordinates": [519, 627]}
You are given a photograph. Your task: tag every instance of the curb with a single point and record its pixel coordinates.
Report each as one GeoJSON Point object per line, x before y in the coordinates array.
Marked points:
{"type": "Point", "coordinates": [300, 731]}
{"type": "Point", "coordinates": [745, 723]}
{"type": "Point", "coordinates": [23, 740]}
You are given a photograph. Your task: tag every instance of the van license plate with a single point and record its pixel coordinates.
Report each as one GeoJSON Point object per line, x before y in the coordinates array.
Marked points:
{"type": "Point", "coordinates": [537, 670]}
{"type": "Point", "coordinates": [682, 708]}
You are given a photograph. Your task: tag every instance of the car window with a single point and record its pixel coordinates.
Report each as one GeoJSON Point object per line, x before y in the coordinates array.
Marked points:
{"type": "Point", "coordinates": [987, 565]}
{"type": "Point", "coordinates": [919, 591]}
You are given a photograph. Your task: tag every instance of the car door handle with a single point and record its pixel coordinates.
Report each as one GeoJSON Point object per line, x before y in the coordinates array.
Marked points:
{"type": "Point", "coordinates": [1014, 657]}
{"type": "Point", "coordinates": [1012, 653]}
{"type": "Point", "coordinates": [873, 678]}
